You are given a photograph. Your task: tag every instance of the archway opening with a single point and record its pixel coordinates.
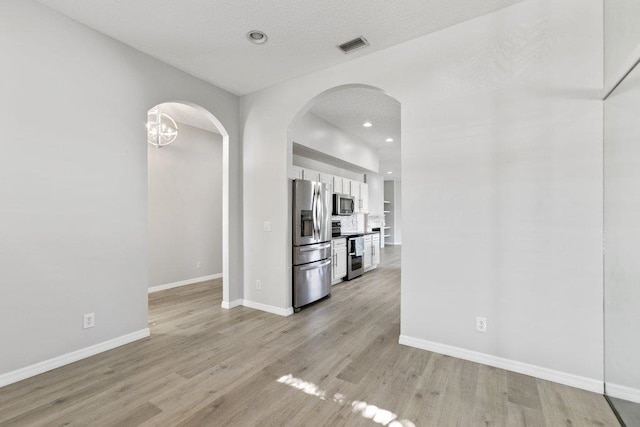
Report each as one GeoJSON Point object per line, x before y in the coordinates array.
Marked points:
{"type": "Point", "coordinates": [188, 198]}
{"type": "Point", "coordinates": [349, 139]}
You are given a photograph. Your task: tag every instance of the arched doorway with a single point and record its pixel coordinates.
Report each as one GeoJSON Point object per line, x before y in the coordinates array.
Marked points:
{"type": "Point", "coordinates": [199, 117]}
{"type": "Point", "coordinates": [348, 137]}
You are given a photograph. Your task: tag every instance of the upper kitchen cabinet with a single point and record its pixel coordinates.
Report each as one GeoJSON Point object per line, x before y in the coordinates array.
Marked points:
{"type": "Point", "coordinates": [364, 197]}
{"type": "Point", "coordinates": [296, 172]}
{"type": "Point", "coordinates": [311, 175]}
{"type": "Point", "coordinates": [354, 191]}
{"type": "Point", "coordinates": [339, 185]}
{"type": "Point", "coordinates": [360, 192]}
{"type": "Point", "coordinates": [327, 179]}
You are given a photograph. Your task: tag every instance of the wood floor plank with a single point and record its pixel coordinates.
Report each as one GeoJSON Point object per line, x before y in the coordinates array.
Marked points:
{"type": "Point", "coordinates": [523, 390]}
{"type": "Point", "coordinates": [204, 365]}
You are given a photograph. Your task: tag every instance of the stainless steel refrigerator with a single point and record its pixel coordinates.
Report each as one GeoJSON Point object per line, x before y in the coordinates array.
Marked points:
{"type": "Point", "coordinates": [311, 242]}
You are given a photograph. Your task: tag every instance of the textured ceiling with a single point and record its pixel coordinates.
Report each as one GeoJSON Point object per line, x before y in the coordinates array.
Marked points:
{"type": "Point", "coordinates": [208, 38]}
{"type": "Point", "coordinates": [349, 108]}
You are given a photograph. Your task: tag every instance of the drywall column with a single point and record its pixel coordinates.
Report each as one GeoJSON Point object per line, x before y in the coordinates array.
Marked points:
{"type": "Point", "coordinates": [501, 185]}
{"type": "Point", "coordinates": [622, 239]}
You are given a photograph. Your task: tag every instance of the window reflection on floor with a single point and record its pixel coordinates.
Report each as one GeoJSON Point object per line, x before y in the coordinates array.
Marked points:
{"type": "Point", "coordinates": [372, 412]}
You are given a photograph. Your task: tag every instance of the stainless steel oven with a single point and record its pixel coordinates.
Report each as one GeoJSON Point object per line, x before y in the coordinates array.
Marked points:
{"type": "Point", "coordinates": [355, 257]}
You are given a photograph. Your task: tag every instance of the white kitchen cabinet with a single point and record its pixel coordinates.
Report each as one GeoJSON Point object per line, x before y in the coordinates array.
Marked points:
{"type": "Point", "coordinates": [296, 172]}
{"type": "Point", "coordinates": [338, 185]}
{"type": "Point", "coordinates": [339, 260]}
{"type": "Point", "coordinates": [327, 179]}
{"type": "Point", "coordinates": [360, 193]}
{"type": "Point", "coordinates": [311, 175]}
{"type": "Point", "coordinates": [354, 190]}
{"type": "Point", "coordinates": [364, 198]}
{"type": "Point", "coordinates": [367, 251]}
{"type": "Point", "coordinates": [375, 248]}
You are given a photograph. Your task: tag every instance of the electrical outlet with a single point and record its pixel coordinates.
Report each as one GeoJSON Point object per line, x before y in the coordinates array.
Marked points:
{"type": "Point", "coordinates": [481, 324]}
{"type": "Point", "coordinates": [88, 320]}
{"type": "Point", "coordinates": [267, 226]}
{"type": "Point", "coordinates": [258, 284]}
{"type": "Point", "coordinates": [198, 264]}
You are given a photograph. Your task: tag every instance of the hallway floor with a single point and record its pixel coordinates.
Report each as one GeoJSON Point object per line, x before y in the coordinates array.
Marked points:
{"type": "Point", "coordinates": [335, 363]}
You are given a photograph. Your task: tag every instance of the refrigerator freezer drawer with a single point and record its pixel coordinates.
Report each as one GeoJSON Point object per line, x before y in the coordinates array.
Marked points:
{"type": "Point", "coordinates": [311, 282]}
{"type": "Point", "coordinates": [311, 253]}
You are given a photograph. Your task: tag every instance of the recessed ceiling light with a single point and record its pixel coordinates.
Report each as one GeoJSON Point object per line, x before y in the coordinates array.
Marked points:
{"type": "Point", "coordinates": [367, 124]}
{"type": "Point", "coordinates": [257, 37]}
{"type": "Point", "coordinates": [389, 172]}
{"type": "Point", "coordinates": [389, 140]}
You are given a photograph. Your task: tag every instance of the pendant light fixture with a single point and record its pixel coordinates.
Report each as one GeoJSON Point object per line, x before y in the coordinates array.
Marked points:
{"type": "Point", "coordinates": [161, 128]}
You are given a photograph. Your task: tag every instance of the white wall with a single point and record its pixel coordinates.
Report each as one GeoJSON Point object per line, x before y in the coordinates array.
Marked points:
{"type": "Point", "coordinates": [622, 35]}
{"type": "Point", "coordinates": [622, 237]}
{"type": "Point", "coordinates": [74, 181]}
{"type": "Point", "coordinates": [314, 132]}
{"type": "Point", "coordinates": [502, 183]}
{"type": "Point", "coordinates": [185, 207]}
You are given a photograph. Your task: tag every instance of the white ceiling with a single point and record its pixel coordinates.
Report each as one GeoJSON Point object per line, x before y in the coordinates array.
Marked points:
{"type": "Point", "coordinates": [208, 38]}
{"type": "Point", "coordinates": [349, 108]}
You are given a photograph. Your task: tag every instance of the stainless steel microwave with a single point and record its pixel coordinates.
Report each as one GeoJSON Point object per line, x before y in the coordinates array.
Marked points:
{"type": "Point", "coordinates": [343, 204]}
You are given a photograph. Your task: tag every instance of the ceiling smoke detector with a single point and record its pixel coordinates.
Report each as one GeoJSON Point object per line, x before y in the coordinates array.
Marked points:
{"type": "Point", "coordinates": [355, 44]}
{"type": "Point", "coordinates": [257, 37]}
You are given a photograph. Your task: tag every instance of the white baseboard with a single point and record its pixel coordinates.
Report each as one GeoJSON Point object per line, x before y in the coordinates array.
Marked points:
{"type": "Point", "coordinates": [74, 356]}
{"type": "Point", "coordinates": [392, 244]}
{"type": "Point", "coordinates": [589, 384]}
{"type": "Point", "coordinates": [231, 304]}
{"type": "Point", "coordinates": [184, 283]}
{"type": "Point", "coordinates": [623, 392]}
{"type": "Point", "coordinates": [268, 308]}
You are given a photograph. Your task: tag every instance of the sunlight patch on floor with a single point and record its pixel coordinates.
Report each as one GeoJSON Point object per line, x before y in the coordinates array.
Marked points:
{"type": "Point", "coordinates": [371, 412]}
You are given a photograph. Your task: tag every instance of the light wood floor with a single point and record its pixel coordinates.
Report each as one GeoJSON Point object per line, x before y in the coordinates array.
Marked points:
{"type": "Point", "coordinates": [338, 362]}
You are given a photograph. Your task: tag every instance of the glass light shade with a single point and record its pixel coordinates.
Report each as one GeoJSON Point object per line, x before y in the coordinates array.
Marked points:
{"type": "Point", "coordinates": [161, 128]}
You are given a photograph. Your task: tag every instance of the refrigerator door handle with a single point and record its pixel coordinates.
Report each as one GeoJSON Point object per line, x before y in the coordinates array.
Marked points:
{"type": "Point", "coordinates": [316, 217]}
{"type": "Point", "coordinates": [320, 212]}
{"type": "Point", "coordinates": [314, 207]}
{"type": "Point", "coordinates": [324, 264]}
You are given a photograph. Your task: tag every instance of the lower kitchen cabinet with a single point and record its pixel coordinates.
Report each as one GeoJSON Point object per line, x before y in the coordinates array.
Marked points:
{"type": "Point", "coordinates": [367, 252]}
{"type": "Point", "coordinates": [371, 251]}
{"type": "Point", "coordinates": [375, 247]}
{"type": "Point", "coordinates": [339, 260]}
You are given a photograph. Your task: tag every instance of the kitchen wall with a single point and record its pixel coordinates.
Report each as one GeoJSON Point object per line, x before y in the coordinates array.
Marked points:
{"type": "Point", "coordinates": [185, 207]}
{"type": "Point", "coordinates": [74, 192]}
{"type": "Point", "coordinates": [315, 165]}
{"type": "Point", "coordinates": [313, 132]}
{"type": "Point", "coordinates": [502, 185]}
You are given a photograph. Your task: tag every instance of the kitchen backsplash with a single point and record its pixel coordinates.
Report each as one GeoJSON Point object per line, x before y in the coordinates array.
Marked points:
{"type": "Point", "coordinates": [375, 221]}
{"type": "Point", "coordinates": [358, 222]}
{"type": "Point", "coordinates": [348, 223]}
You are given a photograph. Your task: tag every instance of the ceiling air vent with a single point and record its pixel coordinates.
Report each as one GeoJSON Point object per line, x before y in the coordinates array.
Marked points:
{"type": "Point", "coordinates": [354, 44]}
